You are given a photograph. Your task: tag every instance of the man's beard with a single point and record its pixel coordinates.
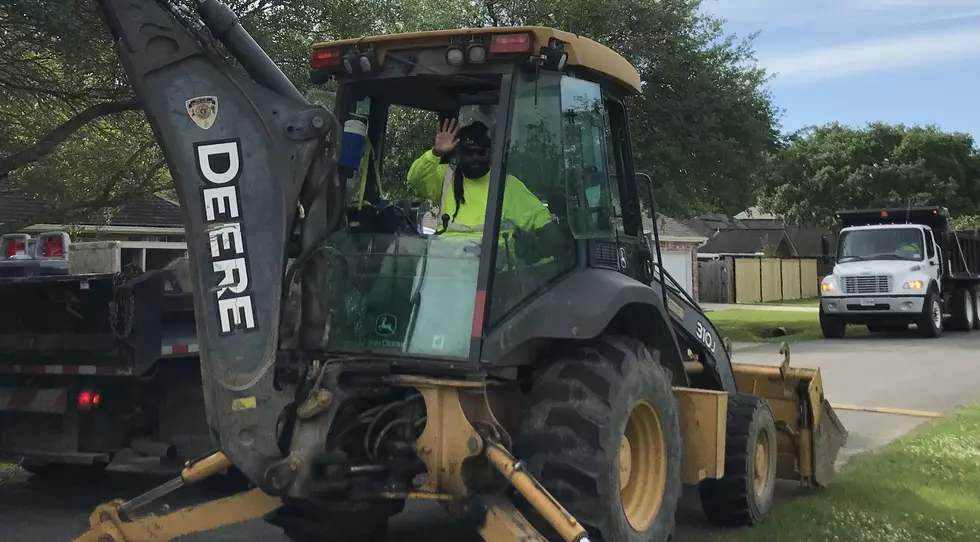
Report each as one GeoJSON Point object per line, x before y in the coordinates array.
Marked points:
{"type": "Point", "coordinates": [474, 171]}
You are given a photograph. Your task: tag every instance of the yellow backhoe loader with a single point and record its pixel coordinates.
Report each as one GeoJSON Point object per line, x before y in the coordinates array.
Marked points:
{"type": "Point", "coordinates": [529, 364]}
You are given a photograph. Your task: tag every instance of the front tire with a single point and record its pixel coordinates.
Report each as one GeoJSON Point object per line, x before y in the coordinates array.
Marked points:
{"type": "Point", "coordinates": [931, 321]}
{"type": "Point", "coordinates": [744, 496]}
{"type": "Point", "coordinates": [601, 432]}
{"type": "Point", "coordinates": [832, 327]}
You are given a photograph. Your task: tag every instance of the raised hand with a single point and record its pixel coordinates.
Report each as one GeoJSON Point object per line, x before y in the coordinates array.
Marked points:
{"type": "Point", "coordinates": [445, 138]}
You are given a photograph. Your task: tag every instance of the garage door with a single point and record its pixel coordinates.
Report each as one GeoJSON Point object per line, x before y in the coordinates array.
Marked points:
{"type": "Point", "coordinates": [678, 265]}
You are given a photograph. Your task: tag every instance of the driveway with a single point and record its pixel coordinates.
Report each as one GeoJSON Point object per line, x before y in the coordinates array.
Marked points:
{"type": "Point", "coordinates": [897, 372]}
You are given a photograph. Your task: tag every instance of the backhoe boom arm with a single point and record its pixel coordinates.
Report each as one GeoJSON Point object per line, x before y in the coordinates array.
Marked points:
{"type": "Point", "coordinates": [244, 152]}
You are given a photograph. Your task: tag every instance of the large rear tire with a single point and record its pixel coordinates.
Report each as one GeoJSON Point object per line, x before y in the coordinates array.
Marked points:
{"type": "Point", "coordinates": [976, 307]}
{"type": "Point", "coordinates": [601, 432]}
{"type": "Point", "coordinates": [744, 496]}
{"type": "Point", "coordinates": [963, 309]}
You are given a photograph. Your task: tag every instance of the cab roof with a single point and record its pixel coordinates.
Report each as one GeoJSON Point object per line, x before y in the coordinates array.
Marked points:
{"type": "Point", "coordinates": [582, 51]}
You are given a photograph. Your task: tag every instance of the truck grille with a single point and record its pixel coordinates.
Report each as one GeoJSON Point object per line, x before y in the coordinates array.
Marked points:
{"type": "Point", "coordinates": [870, 284]}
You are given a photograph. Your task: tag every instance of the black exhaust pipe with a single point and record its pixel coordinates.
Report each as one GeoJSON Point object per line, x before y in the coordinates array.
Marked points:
{"type": "Point", "coordinates": [153, 448]}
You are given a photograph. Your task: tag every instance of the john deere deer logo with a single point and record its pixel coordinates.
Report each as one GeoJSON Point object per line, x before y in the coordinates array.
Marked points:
{"type": "Point", "coordinates": [385, 325]}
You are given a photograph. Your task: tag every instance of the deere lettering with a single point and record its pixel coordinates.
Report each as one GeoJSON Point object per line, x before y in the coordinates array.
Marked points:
{"type": "Point", "coordinates": [219, 164]}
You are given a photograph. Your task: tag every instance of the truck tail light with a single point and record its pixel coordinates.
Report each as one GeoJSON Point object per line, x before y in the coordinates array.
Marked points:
{"type": "Point", "coordinates": [88, 399]}
{"type": "Point", "coordinates": [54, 244]}
{"type": "Point", "coordinates": [14, 244]}
{"type": "Point", "coordinates": [53, 247]}
{"type": "Point", "coordinates": [13, 248]}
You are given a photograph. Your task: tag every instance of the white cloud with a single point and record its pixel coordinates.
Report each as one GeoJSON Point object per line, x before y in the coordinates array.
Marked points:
{"type": "Point", "coordinates": [771, 14]}
{"type": "Point", "coordinates": [954, 16]}
{"type": "Point", "coordinates": [873, 55]}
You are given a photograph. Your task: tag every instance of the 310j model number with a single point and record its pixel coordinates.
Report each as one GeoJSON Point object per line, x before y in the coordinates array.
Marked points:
{"type": "Point", "coordinates": [706, 338]}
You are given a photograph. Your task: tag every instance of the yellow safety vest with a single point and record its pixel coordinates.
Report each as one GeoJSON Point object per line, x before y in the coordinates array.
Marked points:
{"type": "Point", "coordinates": [434, 181]}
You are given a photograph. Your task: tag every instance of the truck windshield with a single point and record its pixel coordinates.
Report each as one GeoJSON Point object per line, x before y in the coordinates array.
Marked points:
{"type": "Point", "coordinates": [881, 244]}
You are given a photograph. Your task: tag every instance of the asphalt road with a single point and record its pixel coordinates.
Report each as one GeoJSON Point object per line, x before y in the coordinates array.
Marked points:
{"type": "Point", "coordinates": [878, 371]}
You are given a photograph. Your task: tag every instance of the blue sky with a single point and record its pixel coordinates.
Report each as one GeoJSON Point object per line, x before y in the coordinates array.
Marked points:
{"type": "Point", "coordinates": [859, 61]}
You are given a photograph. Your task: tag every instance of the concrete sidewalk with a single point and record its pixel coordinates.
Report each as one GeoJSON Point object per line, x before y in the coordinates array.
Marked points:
{"type": "Point", "coordinates": [776, 308]}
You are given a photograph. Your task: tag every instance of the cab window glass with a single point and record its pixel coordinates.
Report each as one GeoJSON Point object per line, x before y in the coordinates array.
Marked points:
{"type": "Point", "coordinates": [593, 197]}
{"type": "Point", "coordinates": [536, 244]}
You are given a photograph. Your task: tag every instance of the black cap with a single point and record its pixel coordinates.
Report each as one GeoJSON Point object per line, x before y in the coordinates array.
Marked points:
{"type": "Point", "coordinates": [475, 134]}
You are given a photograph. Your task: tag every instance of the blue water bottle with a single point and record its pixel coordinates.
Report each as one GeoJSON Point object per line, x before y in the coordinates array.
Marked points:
{"type": "Point", "coordinates": [355, 132]}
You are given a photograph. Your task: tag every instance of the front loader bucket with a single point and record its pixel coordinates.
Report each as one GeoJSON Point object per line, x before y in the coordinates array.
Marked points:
{"type": "Point", "coordinates": [810, 435]}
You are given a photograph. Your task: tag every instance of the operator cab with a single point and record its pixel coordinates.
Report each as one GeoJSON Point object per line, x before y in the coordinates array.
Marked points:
{"type": "Point", "coordinates": [410, 275]}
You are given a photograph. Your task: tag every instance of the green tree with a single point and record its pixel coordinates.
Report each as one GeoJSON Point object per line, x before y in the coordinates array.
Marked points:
{"type": "Point", "coordinates": [966, 222]}
{"type": "Point", "coordinates": [704, 120]}
{"type": "Point", "coordinates": [822, 169]}
{"type": "Point", "coordinates": [71, 129]}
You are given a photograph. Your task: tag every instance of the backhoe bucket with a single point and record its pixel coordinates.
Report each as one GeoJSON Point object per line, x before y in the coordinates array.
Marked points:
{"type": "Point", "coordinates": [809, 433]}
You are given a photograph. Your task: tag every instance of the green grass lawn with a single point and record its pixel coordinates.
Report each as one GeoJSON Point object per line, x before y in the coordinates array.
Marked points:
{"type": "Point", "coordinates": [924, 487]}
{"type": "Point", "coordinates": [750, 325]}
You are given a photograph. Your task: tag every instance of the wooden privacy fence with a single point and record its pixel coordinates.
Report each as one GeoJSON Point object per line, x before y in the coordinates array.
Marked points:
{"type": "Point", "coordinates": [755, 280]}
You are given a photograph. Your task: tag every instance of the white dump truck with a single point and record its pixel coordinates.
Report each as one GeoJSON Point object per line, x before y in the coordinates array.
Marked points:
{"type": "Point", "coordinates": [901, 266]}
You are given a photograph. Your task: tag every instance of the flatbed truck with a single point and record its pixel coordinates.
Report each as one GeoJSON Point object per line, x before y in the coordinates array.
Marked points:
{"type": "Point", "coordinates": [98, 355]}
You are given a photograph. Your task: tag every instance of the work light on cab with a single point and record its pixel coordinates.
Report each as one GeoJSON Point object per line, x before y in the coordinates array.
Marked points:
{"type": "Point", "coordinates": [367, 60]}
{"type": "Point", "coordinates": [476, 52]}
{"type": "Point", "coordinates": [455, 55]}
{"type": "Point", "coordinates": [554, 55]}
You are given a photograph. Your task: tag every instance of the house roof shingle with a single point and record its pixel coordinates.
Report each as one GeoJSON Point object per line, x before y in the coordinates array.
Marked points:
{"type": "Point", "coordinates": [805, 240]}
{"type": "Point", "coordinates": [668, 227]}
{"type": "Point", "coordinates": [743, 241]}
{"type": "Point", "coordinates": [16, 206]}
{"type": "Point", "coordinates": [151, 211]}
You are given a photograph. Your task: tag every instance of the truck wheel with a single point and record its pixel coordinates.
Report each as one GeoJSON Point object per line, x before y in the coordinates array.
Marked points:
{"type": "Point", "coordinates": [832, 327]}
{"type": "Point", "coordinates": [964, 317]}
{"type": "Point", "coordinates": [601, 432]}
{"type": "Point", "coordinates": [931, 321]}
{"type": "Point", "coordinates": [744, 496]}
{"type": "Point", "coordinates": [976, 307]}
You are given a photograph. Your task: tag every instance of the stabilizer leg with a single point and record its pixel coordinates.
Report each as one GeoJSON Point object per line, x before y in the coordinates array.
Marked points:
{"type": "Point", "coordinates": [112, 521]}
{"type": "Point", "coordinates": [505, 522]}
{"type": "Point", "coordinates": [107, 526]}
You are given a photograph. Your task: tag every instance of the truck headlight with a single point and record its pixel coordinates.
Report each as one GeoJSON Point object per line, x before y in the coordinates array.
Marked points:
{"type": "Point", "coordinates": [827, 285]}
{"type": "Point", "coordinates": [913, 285]}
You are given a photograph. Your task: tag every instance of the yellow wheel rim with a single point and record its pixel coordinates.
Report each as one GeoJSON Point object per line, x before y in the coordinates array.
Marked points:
{"type": "Point", "coordinates": [642, 466]}
{"type": "Point", "coordinates": [762, 455]}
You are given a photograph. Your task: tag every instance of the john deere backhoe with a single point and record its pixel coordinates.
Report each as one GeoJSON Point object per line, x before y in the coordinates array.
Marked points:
{"type": "Point", "coordinates": [542, 377]}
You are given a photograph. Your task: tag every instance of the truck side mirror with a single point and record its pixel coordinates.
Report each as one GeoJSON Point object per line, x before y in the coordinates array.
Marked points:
{"type": "Point", "coordinates": [825, 247]}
